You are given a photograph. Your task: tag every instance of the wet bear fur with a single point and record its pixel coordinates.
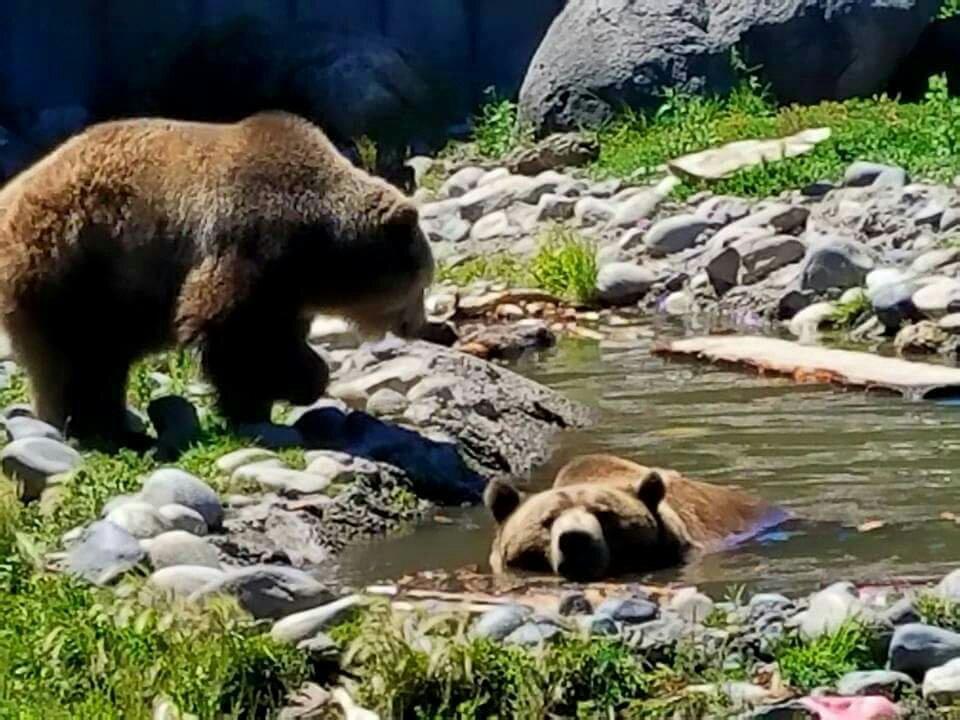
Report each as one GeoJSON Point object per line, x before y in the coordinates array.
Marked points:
{"type": "Point", "coordinates": [606, 516]}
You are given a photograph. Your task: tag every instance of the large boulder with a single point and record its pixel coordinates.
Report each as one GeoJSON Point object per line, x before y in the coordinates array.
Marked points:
{"type": "Point", "coordinates": [602, 54]}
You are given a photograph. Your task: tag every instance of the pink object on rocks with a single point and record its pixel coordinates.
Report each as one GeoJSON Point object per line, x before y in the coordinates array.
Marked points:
{"type": "Point", "coordinates": [851, 708]}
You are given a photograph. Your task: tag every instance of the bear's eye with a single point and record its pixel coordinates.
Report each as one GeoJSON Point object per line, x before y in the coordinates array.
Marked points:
{"type": "Point", "coordinates": [547, 522]}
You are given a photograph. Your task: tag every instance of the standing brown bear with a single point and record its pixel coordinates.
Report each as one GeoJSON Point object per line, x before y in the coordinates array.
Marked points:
{"type": "Point", "coordinates": [140, 235]}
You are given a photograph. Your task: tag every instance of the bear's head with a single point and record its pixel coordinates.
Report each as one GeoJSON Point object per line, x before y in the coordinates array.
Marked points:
{"type": "Point", "coordinates": [582, 531]}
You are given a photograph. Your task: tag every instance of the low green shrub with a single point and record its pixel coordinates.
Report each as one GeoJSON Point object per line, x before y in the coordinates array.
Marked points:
{"type": "Point", "coordinates": [566, 265]}
{"type": "Point", "coordinates": [809, 664]}
{"type": "Point", "coordinates": [497, 128]}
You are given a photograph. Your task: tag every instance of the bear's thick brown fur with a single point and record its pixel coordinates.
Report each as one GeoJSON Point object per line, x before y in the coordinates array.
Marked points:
{"type": "Point", "coordinates": [606, 516]}
{"type": "Point", "coordinates": [139, 235]}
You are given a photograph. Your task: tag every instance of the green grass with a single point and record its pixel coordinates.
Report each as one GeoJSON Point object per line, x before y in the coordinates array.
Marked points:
{"type": "Point", "coordinates": [497, 128]}
{"type": "Point", "coordinates": [949, 9]}
{"type": "Point", "coordinates": [70, 651]}
{"type": "Point", "coordinates": [806, 665]}
{"type": "Point", "coordinates": [922, 137]}
{"type": "Point", "coordinates": [565, 265]}
{"type": "Point", "coordinates": [848, 315]}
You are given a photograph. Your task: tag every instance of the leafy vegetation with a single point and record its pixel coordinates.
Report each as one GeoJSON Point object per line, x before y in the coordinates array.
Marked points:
{"type": "Point", "coordinates": [938, 611]}
{"type": "Point", "coordinates": [949, 9]}
{"type": "Point", "coordinates": [565, 264]}
{"type": "Point", "coordinates": [824, 660]}
{"type": "Point", "coordinates": [498, 129]}
{"type": "Point", "coordinates": [850, 313]}
{"type": "Point", "coordinates": [69, 651]}
{"type": "Point", "coordinates": [922, 137]}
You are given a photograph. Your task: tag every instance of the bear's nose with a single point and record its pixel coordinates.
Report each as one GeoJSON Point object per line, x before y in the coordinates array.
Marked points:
{"type": "Point", "coordinates": [582, 557]}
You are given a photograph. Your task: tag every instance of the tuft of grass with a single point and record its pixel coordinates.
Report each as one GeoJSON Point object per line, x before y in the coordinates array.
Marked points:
{"type": "Point", "coordinates": [949, 9]}
{"type": "Point", "coordinates": [566, 265]}
{"type": "Point", "coordinates": [417, 667]}
{"type": "Point", "coordinates": [498, 129]}
{"type": "Point", "coordinates": [938, 611]}
{"type": "Point", "coordinates": [923, 137]}
{"type": "Point", "coordinates": [71, 651]}
{"type": "Point", "coordinates": [368, 153]}
{"type": "Point", "coordinates": [806, 665]}
{"type": "Point", "coordinates": [17, 391]}
{"type": "Point", "coordinates": [496, 267]}
{"type": "Point", "coordinates": [849, 314]}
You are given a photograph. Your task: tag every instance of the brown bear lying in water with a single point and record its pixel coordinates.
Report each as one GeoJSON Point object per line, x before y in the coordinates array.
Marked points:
{"type": "Point", "coordinates": [606, 516]}
{"type": "Point", "coordinates": [140, 235]}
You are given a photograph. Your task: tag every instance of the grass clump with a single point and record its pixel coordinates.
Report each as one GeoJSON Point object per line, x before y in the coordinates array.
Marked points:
{"type": "Point", "coordinates": [566, 265]}
{"type": "Point", "coordinates": [809, 664]}
{"type": "Point", "coordinates": [408, 667]}
{"type": "Point", "coordinates": [949, 9]}
{"type": "Point", "coordinates": [70, 651]}
{"type": "Point", "coordinates": [922, 137]}
{"type": "Point", "coordinates": [938, 611]}
{"type": "Point", "coordinates": [496, 267]}
{"type": "Point", "coordinates": [850, 313]}
{"type": "Point", "coordinates": [498, 128]}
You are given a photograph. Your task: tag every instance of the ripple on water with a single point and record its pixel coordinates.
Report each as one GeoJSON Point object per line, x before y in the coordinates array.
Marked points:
{"type": "Point", "coordinates": [835, 458]}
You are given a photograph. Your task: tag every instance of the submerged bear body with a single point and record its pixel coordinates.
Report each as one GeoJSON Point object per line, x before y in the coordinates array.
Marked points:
{"type": "Point", "coordinates": [140, 235]}
{"type": "Point", "coordinates": [606, 516]}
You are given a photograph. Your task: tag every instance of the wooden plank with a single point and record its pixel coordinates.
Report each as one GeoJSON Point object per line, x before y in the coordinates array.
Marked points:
{"type": "Point", "coordinates": [815, 364]}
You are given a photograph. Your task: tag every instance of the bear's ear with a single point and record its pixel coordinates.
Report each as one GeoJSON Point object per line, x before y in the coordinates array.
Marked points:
{"type": "Point", "coordinates": [403, 214]}
{"type": "Point", "coordinates": [501, 499]}
{"type": "Point", "coordinates": [652, 490]}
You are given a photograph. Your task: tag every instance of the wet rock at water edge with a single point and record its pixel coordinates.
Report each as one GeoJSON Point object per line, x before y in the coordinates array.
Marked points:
{"type": "Point", "coordinates": [270, 591]}
{"type": "Point", "coordinates": [178, 547]}
{"type": "Point", "coordinates": [498, 623]}
{"type": "Point", "coordinates": [301, 626]}
{"type": "Point", "coordinates": [507, 342]}
{"type": "Point", "coordinates": [875, 682]}
{"type": "Point", "coordinates": [102, 553]}
{"type": "Point", "coordinates": [33, 460]}
{"type": "Point", "coordinates": [174, 486]}
{"type": "Point", "coordinates": [893, 305]}
{"type": "Point", "coordinates": [183, 580]}
{"type": "Point", "coordinates": [623, 283]}
{"type": "Point", "coordinates": [916, 648]}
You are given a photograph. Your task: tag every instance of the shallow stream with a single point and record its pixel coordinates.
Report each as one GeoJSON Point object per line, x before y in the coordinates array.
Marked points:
{"type": "Point", "coordinates": [842, 461]}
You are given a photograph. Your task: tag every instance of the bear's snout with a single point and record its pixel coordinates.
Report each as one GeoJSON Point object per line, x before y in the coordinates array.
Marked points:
{"type": "Point", "coordinates": [578, 548]}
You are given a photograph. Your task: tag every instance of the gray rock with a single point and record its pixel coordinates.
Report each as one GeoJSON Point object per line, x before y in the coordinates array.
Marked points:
{"type": "Point", "coordinates": [183, 518]}
{"type": "Point", "coordinates": [498, 623]}
{"type": "Point", "coordinates": [555, 207]}
{"type": "Point", "coordinates": [635, 209]}
{"type": "Point", "coordinates": [674, 234]}
{"type": "Point", "coordinates": [950, 219]}
{"type": "Point", "coordinates": [880, 277]}
{"type": "Point", "coordinates": [33, 460]}
{"type": "Point", "coordinates": [678, 303]}
{"type": "Point", "coordinates": [949, 587]}
{"type": "Point", "coordinates": [893, 304]}
{"type": "Point", "coordinates": [760, 257]}
{"type": "Point", "coordinates": [901, 612]}
{"type": "Point", "coordinates": [269, 591]}
{"type": "Point", "coordinates": [301, 626]}
{"type": "Point", "coordinates": [26, 427]}
{"type": "Point", "coordinates": [765, 602]}
{"type": "Point", "coordinates": [723, 270]}
{"type": "Point", "coordinates": [447, 228]}
{"type": "Point", "coordinates": [571, 83]}
{"type": "Point", "coordinates": [938, 298]}
{"type": "Point", "coordinates": [722, 210]}
{"type": "Point", "coordinates": [103, 552]}
{"type": "Point", "coordinates": [941, 685]}
{"type": "Point", "coordinates": [387, 402]}
{"type": "Point", "coordinates": [691, 606]}
{"type": "Point", "coordinates": [533, 633]}
{"type": "Point", "coordinates": [462, 182]}
{"type": "Point", "coordinates": [593, 211]}
{"type": "Point", "coordinates": [866, 174]}
{"type": "Point", "coordinates": [874, 682]}
{"type": "Point", "coordinates": [598, 625]}
{"type": "Point", "coordinates": [169, 486]}
{"type": "Point", "coordinates": [659, 634]}
{"type": "Point", "coordinates": [628, 611]}
{"type": "Point", "coordinates": [184, 580]}
{"type": "Point", "coordinates": [835, 264]}
{"type": "Point", "coordinates": [829, 609]}
{"type": "Point", "coordinates": [493, 196]}
{"type": "Point", "coordinates": [916, 648]}
{"type": "Point", "coordinates": [140, 519]}
{"type": "Point", "coordinates": [623, 283]}
{"type": "Point", "coordinates": [229, 463]}
{"type": "Point", "coordinates": [934, 260]}
{"type": "Point", "coordinates": [773, 219]}
{"type": "Point", "coordinates": [178, 547]}
{"type": "Point", "coordinates": [285, 481]}
{"type": "Point", "coordinates": [575, 603]}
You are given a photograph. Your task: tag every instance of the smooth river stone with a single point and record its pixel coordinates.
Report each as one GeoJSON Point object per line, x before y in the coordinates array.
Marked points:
{"type": "Point", "coordinates": [179, 547]}
{"type": "Point", "coordinates": [169, 486]}
{"type": "Point", "coordinates": [33, 460]}
{"type": "Point", "coordinates": [103, 552]}
{"type": "Point", "coordinates": [269, 591]}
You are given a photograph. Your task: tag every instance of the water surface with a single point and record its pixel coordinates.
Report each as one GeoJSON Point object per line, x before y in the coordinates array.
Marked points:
{"type": "Point", "coordinates": [836, 459]}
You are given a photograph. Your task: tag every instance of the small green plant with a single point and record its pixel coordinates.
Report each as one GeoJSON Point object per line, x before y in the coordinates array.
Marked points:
{"type": "Point", "coordinates": [566, 265]}
{"type": "Point", "coordinates": [938, 611]}
{"type": "Point", "coordinates": [496, 267]}
{"type": "Point", "coordinates": [808, 664]}
{"type": "Point", "coordinates": [16, 391]}
{"type": "Point", "coordinates": [949, 9]}
{"type": "Point", "coordinates": [497, 128]}
{"type": "Point", "coordinates": [851, 313]}
{"type": "Point", "coordinates": [368, 153]}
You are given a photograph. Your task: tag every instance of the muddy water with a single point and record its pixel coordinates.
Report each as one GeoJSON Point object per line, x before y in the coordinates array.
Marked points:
{"type": "Point", "coordinates": [837, 460]}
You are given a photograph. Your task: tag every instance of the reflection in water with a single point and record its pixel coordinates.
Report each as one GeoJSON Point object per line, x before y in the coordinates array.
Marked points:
{"type": "Point", "coordinates": [836, 459]}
